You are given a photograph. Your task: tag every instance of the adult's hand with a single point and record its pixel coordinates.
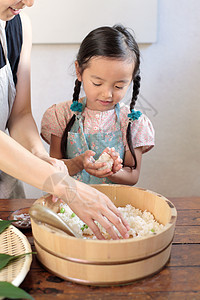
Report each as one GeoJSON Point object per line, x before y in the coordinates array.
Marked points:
{"type": "Point", "coordinates": [91, 205]}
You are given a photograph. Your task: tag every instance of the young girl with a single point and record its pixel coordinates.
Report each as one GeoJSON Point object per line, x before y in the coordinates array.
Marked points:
{"type": "Point", "coordinates": [107, 63]}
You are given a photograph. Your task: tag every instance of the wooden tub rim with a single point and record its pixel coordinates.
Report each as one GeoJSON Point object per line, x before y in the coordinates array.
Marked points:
{"type": "Point", "coordinates": [167, 227]}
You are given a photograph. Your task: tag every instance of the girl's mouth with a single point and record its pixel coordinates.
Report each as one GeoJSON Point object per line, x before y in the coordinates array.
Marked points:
{"type": "Point", "coordinates": [103, 102]}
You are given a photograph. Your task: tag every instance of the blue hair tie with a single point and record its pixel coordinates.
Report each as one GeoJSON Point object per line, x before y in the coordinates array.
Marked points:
{"type": "Point", "coordinates": [76, 106]}
{"type": "Point", "coordinates": [134, 115]}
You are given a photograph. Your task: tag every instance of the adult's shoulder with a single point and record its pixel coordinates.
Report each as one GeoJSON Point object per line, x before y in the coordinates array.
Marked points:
{"type": "Point", "coordinates": [26, 22]}
{"type": "Point", "coordinates": [27, 31]}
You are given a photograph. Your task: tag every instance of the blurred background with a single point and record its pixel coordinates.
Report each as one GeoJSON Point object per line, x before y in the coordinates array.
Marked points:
{"type": "Point", "coordinates": [170, 91]}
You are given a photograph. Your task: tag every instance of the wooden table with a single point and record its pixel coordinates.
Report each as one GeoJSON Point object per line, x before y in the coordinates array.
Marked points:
{"type": "Point", "coordinates": [180, 279]}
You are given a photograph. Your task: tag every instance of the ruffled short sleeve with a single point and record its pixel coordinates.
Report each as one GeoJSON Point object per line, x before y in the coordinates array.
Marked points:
{"type": "Point", "coordinates": [55, 119]}
{"type": "Point", "coordinates": [142, 131]}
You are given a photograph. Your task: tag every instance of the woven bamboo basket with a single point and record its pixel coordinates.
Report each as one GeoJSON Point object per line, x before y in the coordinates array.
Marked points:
{"type": "Point", "coordinates": [108, 262]}
{"type": "Point", "coordinates": [14, 242]}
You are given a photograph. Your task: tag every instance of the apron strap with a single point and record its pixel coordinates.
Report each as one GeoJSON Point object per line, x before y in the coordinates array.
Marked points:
{"type": "Point", "coordinates": [117, 111]}
{"type": "Point", "coordinates": [11, 85]}
{"type": "Point", "coordinates": [3, 37]}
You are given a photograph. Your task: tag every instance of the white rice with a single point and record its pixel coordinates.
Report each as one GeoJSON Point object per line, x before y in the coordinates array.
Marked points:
{"type": "Point", "coordinates": [142, 223]}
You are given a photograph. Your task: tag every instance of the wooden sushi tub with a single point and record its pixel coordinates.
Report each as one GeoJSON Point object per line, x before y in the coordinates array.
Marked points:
{"type": "Point", "coordinates": [108, 262]}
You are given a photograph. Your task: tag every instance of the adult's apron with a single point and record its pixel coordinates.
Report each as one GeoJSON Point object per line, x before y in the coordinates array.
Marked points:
{"type": "Point", "coordinates": [78, 142]}
{"type": "Point", "coordinates": [9, 186]}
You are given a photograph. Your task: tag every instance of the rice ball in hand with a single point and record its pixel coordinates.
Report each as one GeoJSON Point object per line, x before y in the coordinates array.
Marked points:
{"type": "Point", "coordinates": [105, 158]}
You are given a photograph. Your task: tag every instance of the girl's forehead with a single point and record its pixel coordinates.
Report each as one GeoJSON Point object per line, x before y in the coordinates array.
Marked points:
{"type": "Point", "coordinates": [111, 66]}
{"type": "Point", "coordinates": [97, 60]}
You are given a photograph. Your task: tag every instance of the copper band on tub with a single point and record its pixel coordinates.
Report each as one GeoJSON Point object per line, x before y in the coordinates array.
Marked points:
{"type": "Point", "coordinates": [82, 261]}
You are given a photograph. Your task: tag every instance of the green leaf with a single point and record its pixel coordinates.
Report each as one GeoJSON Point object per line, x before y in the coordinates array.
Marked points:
{"type": "Point", "coordinates": [8, 290]}
{"type": "Point", "coordinates": [6, 258]}
{"type": "Point", "coordinates": [5, 223]}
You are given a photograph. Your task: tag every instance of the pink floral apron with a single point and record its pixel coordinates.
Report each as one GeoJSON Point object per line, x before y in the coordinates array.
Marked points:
{"type": "Point", "coordinates": [78, 142]}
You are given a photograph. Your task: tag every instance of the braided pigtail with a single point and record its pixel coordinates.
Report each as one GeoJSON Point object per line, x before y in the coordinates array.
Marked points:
{"type": "Point", "coordinates": [136, 89]}
{"type": "Point", "coordinates": [76, 93]}
{"type": "Point", "coordinates": [110, 42]}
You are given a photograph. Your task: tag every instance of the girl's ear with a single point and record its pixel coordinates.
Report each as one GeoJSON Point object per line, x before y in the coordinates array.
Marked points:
{"type": "Point", "coordinates": [78, 71]}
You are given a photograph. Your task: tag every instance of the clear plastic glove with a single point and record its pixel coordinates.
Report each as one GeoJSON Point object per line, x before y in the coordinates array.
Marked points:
{"type": "Point", "coordinates": [57, 163]}
{"type": "Point", "coordinates": [91, 205]}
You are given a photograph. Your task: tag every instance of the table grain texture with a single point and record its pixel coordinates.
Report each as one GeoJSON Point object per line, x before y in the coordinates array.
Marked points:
{"type": "Point", "coordinates": [179, 279]}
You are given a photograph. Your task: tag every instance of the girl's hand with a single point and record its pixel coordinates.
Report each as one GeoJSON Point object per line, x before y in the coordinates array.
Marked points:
{"type": "Point", "coordinates": [117, 161]}
{"type": "Point", "coordinates": [93, 168]}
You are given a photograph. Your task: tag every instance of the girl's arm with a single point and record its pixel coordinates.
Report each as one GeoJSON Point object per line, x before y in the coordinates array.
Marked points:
{"type": "Point", "coordinates": [74, 165]}
{"type": "Point", "coordinates": [127, 175]}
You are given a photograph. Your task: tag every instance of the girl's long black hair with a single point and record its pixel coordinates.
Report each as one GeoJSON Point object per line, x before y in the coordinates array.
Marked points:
{"type": "Point", "coordinates": [114, 42]}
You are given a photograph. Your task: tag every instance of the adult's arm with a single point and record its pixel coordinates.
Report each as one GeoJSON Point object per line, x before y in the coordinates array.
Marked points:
{"type": "Point", "coordinates": [21, 124]}
{"type": "Point", "coordinates": [88, 203]}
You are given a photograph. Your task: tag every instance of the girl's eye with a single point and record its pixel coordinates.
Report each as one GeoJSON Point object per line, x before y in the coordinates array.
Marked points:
{"type": "Point", "coordinates": [96, 84]}
{"type": "Point", "coordinates": [119, 87]}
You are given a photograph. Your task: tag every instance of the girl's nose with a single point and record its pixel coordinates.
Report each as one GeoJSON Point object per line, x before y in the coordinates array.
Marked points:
{"type": "Point", "coordinates": [28, 3]}
{"type": "Point", "coordinates": [107, 93]}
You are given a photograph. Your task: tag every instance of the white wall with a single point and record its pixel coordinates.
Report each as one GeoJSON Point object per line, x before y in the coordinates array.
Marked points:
{"type": "Point", "coordinates": [170, 84]}
{"type": "Point", "coordinates": [58, 26]}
